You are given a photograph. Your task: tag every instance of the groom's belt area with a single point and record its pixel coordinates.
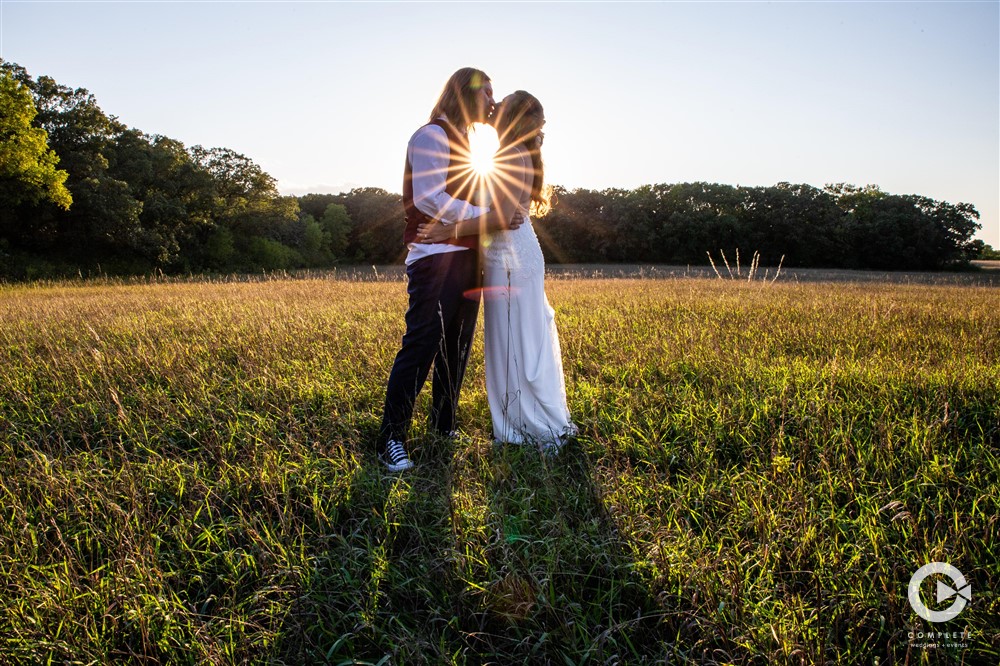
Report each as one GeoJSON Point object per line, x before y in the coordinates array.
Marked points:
{"type": "Point", "coordinates": [415, 218]}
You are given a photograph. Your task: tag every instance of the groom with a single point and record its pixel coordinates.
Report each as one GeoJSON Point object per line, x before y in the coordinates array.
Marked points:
{"type": "Point", "coordinates": [443, 278]}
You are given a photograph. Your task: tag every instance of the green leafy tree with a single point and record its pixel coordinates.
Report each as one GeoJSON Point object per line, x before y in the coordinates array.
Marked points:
{"type": "Point", "coordinates": [795, 221]}
{"type": "Point", "coordinates": [904, 232]}
{"type": "Point", "coordinates": [954, 226]}
{"type": "Point", "coordinates": [576, 230]}
{"type": "Point", "coordinates": [696, 218]}
{"type": "Point", "coordinates": [245, 200]}
{"type": "Point", "coordinates": [245, 197]}
{"type": "Point", "coordinates": [270, 255]}
{"type": "Point", "coordinates": [315, 204]}
{"type": "Point", "coordinates": [984, 250]}
{"type": "Point", "coordinates": [336, 224]}
{"type": "Point", "coordinates": [28, 172]}
{"type": "Point", "coordinates": [378, 230]}
{"type": "Point", "coordinates": [174, 192]}
{"type": "Point", "coordinates": [217, 252]}
{"type": "Point", "coordinates": [315, 243]}
{"type": "Point", "coordinates": [103, 221]}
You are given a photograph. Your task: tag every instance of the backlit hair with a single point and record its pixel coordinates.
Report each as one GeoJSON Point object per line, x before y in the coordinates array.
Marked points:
{"type": "Point", "coordinates": [518, 120]}
{"type": "Point", "coordinates": [459, 97]}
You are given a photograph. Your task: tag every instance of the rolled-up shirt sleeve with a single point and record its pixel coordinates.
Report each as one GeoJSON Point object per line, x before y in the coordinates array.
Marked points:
{"type": "Point", "coordinates": [429, 158]}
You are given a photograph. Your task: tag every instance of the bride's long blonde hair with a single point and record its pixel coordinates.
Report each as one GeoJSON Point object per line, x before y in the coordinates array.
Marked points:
{"type": "Point", "coordinates": [518, 120]}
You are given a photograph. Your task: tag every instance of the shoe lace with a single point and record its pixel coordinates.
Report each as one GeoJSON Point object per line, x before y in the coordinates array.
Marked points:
{"type": "Point", "coordinates": [396, 451]}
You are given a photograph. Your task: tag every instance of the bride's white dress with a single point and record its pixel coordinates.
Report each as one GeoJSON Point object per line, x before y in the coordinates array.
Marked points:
{"type": "Point", "coordinates": [524, 373]}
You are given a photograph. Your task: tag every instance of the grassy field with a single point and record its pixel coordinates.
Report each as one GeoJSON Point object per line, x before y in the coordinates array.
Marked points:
{"type": "Point", "coordinates": [188, 476]}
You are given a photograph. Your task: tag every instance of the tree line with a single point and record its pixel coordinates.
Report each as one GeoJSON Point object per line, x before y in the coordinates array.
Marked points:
{"type": "Point", "coordinates": [82, 192]}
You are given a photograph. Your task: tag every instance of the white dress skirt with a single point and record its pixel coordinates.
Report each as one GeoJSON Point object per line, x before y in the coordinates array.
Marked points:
{"type": "Point", "coordinates": [524, 373]}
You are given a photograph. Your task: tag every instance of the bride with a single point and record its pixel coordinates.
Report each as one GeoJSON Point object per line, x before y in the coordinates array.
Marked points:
{"type": "Point", "coordinates": [524, 375]}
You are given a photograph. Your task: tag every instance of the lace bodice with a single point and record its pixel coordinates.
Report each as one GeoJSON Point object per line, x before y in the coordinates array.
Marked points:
{"type": "Point", "coordinates": [517, 251]}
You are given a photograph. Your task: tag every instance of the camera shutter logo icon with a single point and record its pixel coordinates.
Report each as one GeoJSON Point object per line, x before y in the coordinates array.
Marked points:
{"type": "Point", "coordinates": [959, 589]}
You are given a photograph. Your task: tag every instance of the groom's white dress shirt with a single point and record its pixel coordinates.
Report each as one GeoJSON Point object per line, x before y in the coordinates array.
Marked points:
{"type": "Point", "coordinates": [429, 156]}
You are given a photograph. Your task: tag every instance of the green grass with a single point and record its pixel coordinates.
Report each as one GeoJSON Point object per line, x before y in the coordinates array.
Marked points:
{"type": "Point", "coordinates": [189, 477]}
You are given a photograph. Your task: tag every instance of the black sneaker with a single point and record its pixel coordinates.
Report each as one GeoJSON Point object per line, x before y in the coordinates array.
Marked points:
{"type": "Point", "coordinates": [394, 457]}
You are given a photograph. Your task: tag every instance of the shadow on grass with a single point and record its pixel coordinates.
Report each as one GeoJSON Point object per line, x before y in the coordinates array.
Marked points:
{"type": "Point", "coordinates": [561, 585]}
{"type": "Point", "coordinates": [481, 554]}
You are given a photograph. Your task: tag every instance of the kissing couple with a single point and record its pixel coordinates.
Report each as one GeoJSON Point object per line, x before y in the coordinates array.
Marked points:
{"type": "Point", "coordinates": [468, 234]}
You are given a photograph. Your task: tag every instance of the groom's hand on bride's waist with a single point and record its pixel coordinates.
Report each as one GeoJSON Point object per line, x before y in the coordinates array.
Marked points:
{"type": "Point", "coordinates": [435, 232]}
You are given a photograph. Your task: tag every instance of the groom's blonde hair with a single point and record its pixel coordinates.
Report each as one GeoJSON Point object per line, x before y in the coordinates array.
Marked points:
{"type": "Point", "coordinates": [458, 99]}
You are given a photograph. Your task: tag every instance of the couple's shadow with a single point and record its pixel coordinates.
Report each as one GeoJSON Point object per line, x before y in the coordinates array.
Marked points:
{"type": "Point", "coordinates": [485, 551]}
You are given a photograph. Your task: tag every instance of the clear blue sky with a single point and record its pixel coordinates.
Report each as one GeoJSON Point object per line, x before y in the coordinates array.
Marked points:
{"type": "Point", "coordinates": [324, 95]}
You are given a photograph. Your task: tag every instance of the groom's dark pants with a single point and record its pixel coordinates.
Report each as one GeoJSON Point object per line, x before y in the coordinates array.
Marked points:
{"type": "Point", "coordinates": [440, 323]}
